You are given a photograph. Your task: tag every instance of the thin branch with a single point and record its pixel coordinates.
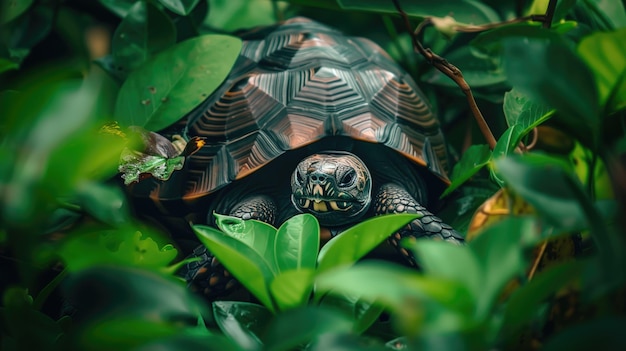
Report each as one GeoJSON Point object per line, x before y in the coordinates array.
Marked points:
{"type": "Point", "coordinates": [449, 70]}
{"type": "Point", "coordinates": [452, 71]}
{"type": "Point", "coordinates": [533, 269]}
{"type": "Point", "coordinates": [547, 21]}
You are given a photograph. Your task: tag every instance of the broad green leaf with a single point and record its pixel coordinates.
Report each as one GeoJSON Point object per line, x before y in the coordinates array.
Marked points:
{"type": "Point", "coordinates": [123, 333]}
{"type": "Point", "coordinates": [180, 7]}
{"type": "Point", "coordinates": [492, 40]}
{"type": "Point", "coordinates": [119, 7]}
{"type": "Point", "coordinates": [296, 327]}
{"type": "Point", "coordinates": [257, 234]}
{"type": "Point", "coordinates": [105, 203]}
{"type": "Point", "coordinates": [242, 261]}
{"type": "Point", "coordinates": [363, 313]}
{"type": "Point", "coordinates": [526, 300]}
{"type": "Point", "coordinates": [230, 15]}
{"type": "Point", "coordinates": [175, 81]}
{"type": "Point", "coordinates": [444, 260]}
{"type": "Point", "coordinates": [434, 302]}
{"type": "Point", "coordinates": [13, 9]}
{"type": "Point", "coordinates": [355, 242]}
{"type": "Point", "coordinates": [242, 322]}
{"type": "Point", "coordinates": [144, 31]}
{"type": "Point", "coordinates": [499, 251]}
{"type": "Point", "coordinates": [540, 180]}
{"type": "Point", "coordinates": [20, 317]}
{"type": "Point", "coordinates": [485, 266]}
{"type": "Point", "coordinates": [605, 54]}
{"type": "Point", "coordinates": [473, 160]}
{"type": "Point", "coordinates": [508, 141]}
{"type": "Point", "coordinates": [7, 65]}
{"type": "Point", "coordinates": [124, 246]}
{"type": "Point", "coordinates": [467, 11]}
{"type": "Point", "coordinates": [477, 71]}
{"type": "Point", "coordinates": [292, 288]}
{"type": "Point", "coordinates": [550, 73]}
{"type": "Point", "coordinates": [522, 111]}
{"type": "Point", "coordinates": [125, 292]}
{"type": "Point", "coordinates": [297, 243]}
{"type": "Point", "coordinates": [186, 341]}
{"type": "Point", "coordinates": [610, 13]}
{"type": "Point", "coordinates": [345, 342]}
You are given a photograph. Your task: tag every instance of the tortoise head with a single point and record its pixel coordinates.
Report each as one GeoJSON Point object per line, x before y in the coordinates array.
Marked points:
{"type": "Point", "coordinates": [333, 186]}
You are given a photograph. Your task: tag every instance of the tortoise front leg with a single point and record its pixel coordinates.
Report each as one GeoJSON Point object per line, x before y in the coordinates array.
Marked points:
{"type": "Point", "coordinates": [208, 276]}
{"type": "Point", "coordinates": [393, 198]}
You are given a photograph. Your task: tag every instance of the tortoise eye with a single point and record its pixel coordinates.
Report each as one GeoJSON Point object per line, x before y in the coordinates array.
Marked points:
{"type": "Point", "coordinates": [347, 179]}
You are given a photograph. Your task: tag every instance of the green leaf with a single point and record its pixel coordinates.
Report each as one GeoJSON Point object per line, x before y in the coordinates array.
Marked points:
{"type": "Point", "coordinates": [508, 141]}
{"type": "Point", "coordinates": [292, 288]}
{"type": "Point", "coordinates": [7, 65]}
{"type": "Point", "coordinates": [297, 243]}
{"type": "Point", "coordinates": [467, 11]}
{"type": "Point", "coordinates": [412, 296]}
{"type": "Point", "coordinates": [293, 328]}
{"type": "Point", "coordinates": [473, 160]}
{"type": "Point", "coordinates": [355, 242]}
{"type": "Point", "coordinates": [180, 7]}
{"type": "Point", "coordinates": [363, 313]}
{"type": "Point", "coordinates": [257, 234]}
{"type": "Point", "coordinates": [125, 246]}
{"type": "Point", "coordinates": [242, 322]}
{"type": "Point", "coordinates": [526, 300]}
{"type": "Point", "coordinates": [525, 112]}
{"type": "Point", "coordinates": [13, 9]}
{"type": "Point", "coordinates": [491, 41]}
{"type": "Point", "coordinates": [243, 262]}
{"type": "Point", "coordinates": [345, 342]}
{"type": "Point", "coordinates": [478, 71]}
{"type": "Point", "coordinates": [119, 7]}
{"type": "Point", "coordinates": [124, 333]}
{"type": "Point", "coordinates": [605, 54]}
{"type": "Point", "coordinates": [540, 180]}
{"type": "Point", "coordinates": [105, 203]}
{"type": "Point", "coordinates": [144, 31]}
{"type": "Point", "coordinates": [499, 250]}
{"type": "Point", "coordinates": [147, 304]}
{"type": "Point", "coordinates": [485, 266]}
{"type": "Point", "coordinates": [550, 73]}
{"type": "Point", "coordinates": [175, 81]}
{"type": "Point", "coordinates": [231, 16]}
{"type": "Point", "coordinates": [186, 341]}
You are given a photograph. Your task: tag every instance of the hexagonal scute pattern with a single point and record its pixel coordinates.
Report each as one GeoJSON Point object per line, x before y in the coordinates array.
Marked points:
{"type": "Point", "coordinates": [297, 83]}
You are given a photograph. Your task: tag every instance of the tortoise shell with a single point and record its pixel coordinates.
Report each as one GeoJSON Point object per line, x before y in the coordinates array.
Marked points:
{"type": "Point", "coordinates": [293, 85]}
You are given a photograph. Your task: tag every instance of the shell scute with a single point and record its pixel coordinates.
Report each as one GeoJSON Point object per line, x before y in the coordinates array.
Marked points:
{"type": "Point", "coordinates": [296, 84]}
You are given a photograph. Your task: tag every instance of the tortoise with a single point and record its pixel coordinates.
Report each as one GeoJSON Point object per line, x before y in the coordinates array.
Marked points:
{"type": "Point", "coordinates": [308, 120]}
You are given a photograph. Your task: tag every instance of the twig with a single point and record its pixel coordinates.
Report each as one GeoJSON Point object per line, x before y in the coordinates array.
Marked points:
{"type": "Point", "coordinates": [547, 20]}
{"type": "Point", "coordinates": [533, 269]}
{"type": "Point", "coordinates": [449, 70]}
{"type": "Point", "coordinates": [453, 72]}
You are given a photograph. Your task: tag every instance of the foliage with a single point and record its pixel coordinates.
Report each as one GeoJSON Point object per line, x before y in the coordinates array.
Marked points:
{"type": "Point", "coordinates": [81, 269]}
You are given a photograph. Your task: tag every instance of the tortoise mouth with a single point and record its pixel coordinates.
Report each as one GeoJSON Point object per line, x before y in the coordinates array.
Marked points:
{"type": "Point", "coordinates": [318, 204]}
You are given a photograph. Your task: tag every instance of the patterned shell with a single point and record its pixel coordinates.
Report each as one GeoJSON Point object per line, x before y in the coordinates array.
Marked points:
{"type": "Point", "coordinates": [295, 84]}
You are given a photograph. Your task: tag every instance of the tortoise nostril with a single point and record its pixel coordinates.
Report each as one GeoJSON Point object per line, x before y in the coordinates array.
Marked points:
{"type": "Point", "coordinates": [318, 178]}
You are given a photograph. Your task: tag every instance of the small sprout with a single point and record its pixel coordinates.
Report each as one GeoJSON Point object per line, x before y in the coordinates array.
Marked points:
{"type": "Point", "coordinates": [145, 102]}
{"type": "Point", "coordinates": [164, 99]}
{"type": "Point", "coordinates": [152, 90]}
